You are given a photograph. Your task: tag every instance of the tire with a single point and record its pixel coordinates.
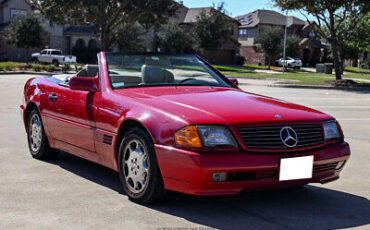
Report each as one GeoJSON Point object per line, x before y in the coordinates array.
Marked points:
{"type": "Point", "coordinates": [138, 168]}
{"type": "Point", "coordinates": [35, 60]}
{"type": "Point", "coordinates": [38, 143]}
{"type": "Point", "coordinates": [56, 63]}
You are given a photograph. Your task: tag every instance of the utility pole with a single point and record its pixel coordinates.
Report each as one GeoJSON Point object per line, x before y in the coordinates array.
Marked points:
{"type": "Point", "coordinates": [285, 34]}
{"type": "Point", "coordinates": [102, 22]}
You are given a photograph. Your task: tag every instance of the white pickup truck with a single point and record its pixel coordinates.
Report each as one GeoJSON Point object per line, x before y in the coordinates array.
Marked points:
{"type": "Point", "coordinates": [53, 56]}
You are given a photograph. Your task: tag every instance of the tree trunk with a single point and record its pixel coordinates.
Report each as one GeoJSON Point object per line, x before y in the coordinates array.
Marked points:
{"type": "Point", "coordinates": [107, 41]}
{"type": "Point", "coordinates": [342, 65]}
{"type": "Point", "coordinates": [334, 48]}
{"type": "Point", "coordinates": [269, 64]}
{"type": "Point", "coordinates": [27, 51]}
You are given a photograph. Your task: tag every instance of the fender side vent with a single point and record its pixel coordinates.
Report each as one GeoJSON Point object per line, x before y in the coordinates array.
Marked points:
{"type": "Point", "coordinates": [107, 139]}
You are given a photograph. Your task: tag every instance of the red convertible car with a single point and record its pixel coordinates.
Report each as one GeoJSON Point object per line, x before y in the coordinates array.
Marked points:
{"type": "Point", "coordinates": [173, 122]}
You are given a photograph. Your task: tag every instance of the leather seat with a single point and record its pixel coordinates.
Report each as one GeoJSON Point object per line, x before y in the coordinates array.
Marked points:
{"type": "Point", "coordinates": [88, 71]}
{"type": "Point", "coordinates": [155, 74]}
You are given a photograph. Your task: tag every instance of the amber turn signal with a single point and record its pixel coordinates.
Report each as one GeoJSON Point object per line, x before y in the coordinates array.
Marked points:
{"type": "Point", "coordinates": [188, 137]}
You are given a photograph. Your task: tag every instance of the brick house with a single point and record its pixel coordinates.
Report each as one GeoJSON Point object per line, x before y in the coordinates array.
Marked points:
{"type": "Point", "coordinates": [312, 50]}
{"type": "Point", "coordinates": [229, 49]}
{"type": "Point", "coordinates": [187, 17]}
{"type": "Point", "coordinates": [63, 37]}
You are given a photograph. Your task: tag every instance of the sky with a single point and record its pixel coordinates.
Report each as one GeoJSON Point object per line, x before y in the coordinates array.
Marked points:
{"type": "Point", "coordinates": [240, 7]}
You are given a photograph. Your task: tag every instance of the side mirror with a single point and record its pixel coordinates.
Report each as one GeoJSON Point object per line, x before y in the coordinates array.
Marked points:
{"type": "Point", "coordinates": [84, 84]}
{"type": "Point", "coordinates": [234, 81]}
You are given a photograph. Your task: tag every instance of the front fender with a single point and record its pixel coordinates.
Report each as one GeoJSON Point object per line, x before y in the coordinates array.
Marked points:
{"type": "Point", "coordinates": [159, 124]}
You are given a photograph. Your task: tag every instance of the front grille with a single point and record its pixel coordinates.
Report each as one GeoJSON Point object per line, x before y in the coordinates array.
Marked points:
{"type": "Point", "coordinates": [268, 137]}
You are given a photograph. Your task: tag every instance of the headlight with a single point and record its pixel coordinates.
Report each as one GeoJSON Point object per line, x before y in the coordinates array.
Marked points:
{"type": "Point", "coordinates": [205, 136]}
{"type": "Point", "coordinates": [331, 130]}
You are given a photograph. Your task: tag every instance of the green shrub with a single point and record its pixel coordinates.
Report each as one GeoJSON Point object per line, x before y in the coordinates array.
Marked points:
{"type": "Point", "coordinates": [365, 65]}
{"type": "Point", "coordinates": [9, 66]}
{"type": "Point", "coordinates": [78, 68]}
{"type": "Point", "coordinates": [2, 67]}
{"type": "Point", "coordinates": [66, 68]}
{"type": "Point", "coordinates": [36, 67]}
{"type": "Point", "coordinates": [22, 66]}
{"type": "Point", "coordinates": [240, 60]}
{"type": "Point", "coordinates": [50, 68]}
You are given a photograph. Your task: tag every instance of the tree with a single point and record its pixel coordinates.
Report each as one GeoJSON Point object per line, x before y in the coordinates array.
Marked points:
{"type": "Point", "coordinates": [130, 40]}
{"type": "Point", "coordinates": [353, 38]}
{"type": "Point", "coordinates": [330, 15]}
{"type": "Point", "coordinates": [360, 35]}
{"type": "Point", "coordinates": [271, 43]}
{"type": "Point", "coordinates": [25, 32]}
{"type": "Point", "coordinates": [211, 28]}
{"type": "Point", "coordinates": [120, 15]}
{"type": "Point", "coordinates": [356, 40]}
{"type": "Point", "coordinates": [292, 46]}
{"type": "Point", "coordinates": [173, 37]}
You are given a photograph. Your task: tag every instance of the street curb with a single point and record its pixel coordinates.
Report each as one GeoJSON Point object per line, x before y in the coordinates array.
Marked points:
{"type": "Point", "coordinates": [320, 87]}
{"type": "Point", "coordinates": [27, 72]}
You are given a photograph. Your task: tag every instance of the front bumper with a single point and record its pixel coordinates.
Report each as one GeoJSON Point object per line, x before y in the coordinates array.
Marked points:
{"type": "Point", "coordinates": [190, 172]}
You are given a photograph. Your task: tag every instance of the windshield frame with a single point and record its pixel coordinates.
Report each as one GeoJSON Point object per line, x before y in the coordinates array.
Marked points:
{"type": "Point", "coordinates": [227, 82]}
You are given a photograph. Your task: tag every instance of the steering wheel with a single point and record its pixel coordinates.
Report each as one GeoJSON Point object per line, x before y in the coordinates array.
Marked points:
{"type": "Point", "coordinates": [188, 79]}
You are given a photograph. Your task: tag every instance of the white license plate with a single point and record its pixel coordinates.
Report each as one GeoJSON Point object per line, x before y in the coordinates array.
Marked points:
{"type": "Point", "coordinates": [296, 168]}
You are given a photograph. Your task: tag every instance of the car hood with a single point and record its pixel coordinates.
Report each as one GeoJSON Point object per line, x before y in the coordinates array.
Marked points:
{"type": "Point", "coordinates": [214, 105]}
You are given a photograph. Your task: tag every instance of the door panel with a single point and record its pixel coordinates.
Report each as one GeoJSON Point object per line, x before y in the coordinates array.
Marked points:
{"type": "Point", "coordinates": [71, 117]}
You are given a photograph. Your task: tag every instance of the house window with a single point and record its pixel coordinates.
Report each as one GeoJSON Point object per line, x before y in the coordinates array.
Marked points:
{"type": "Point", "coordinates": [14, 13]}
{"type": "Point", "coordinates": [231, 30]}
{"type": "Point", "coordinates": [243, 33]}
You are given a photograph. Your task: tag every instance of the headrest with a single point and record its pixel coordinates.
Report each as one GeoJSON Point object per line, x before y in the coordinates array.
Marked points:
{"type": "Point", "coordinates": [92, 70]}
{"type": "Point", "coordinates": [156, 74]}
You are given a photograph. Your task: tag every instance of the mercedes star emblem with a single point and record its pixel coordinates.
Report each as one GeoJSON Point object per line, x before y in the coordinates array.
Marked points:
{"type": "Point", "coordinates": [288, 136]}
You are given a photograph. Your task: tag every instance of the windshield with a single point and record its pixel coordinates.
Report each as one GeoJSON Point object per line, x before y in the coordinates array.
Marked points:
{"type": "Point", "coordinates": [146, 70]}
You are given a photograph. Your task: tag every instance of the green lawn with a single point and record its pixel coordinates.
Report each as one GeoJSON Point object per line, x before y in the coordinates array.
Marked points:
{"type": "Point", "coordinates": [304, 78]}
{"type": "Point", "coordinates": [357, 70]}
{"type": "Point", "coordinates": [232, 69]}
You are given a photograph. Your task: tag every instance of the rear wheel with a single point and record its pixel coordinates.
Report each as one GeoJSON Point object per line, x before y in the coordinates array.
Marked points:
{"type": "Point", "coordinates": [138, 168]}
{"type": "Point", "coordinates": [56, 63]}
{"type": "Point", "coordinates": [37, 140]}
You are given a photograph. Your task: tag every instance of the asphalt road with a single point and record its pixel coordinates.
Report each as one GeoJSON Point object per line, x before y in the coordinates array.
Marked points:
{"type": "Point", "coordinates": [70, 193]}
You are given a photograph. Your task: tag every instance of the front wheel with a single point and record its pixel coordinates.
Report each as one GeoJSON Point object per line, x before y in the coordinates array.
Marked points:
{"type": "Point", "coordinates": [56, 63]}
{"type": "Point", "coordinates": [138, 168]}
{"type": "Point", "coordinates": [35, 61]}
{"type": "Point", "coordinates": [37, 140]}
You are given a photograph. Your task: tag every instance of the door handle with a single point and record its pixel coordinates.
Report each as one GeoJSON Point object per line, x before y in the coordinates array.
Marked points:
{"type": "Point", "coordinates": [53, 97]}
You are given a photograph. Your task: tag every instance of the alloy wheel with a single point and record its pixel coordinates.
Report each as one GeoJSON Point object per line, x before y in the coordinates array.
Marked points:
{"type": "Point", "coordinates": [136, 166]}
{"type": "Point", "coordinates": [35, 133]}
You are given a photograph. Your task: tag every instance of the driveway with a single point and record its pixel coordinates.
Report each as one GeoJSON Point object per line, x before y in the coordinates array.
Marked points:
{"type": "Point", "coordinates": [71, 193]}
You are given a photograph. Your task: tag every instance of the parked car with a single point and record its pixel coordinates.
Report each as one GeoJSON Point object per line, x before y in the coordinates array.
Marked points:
{"type": "Point", "coordinates": [173, 122]}
{"type": "Point", "coordinates": [53, 56]}
{"type": "Point", "coordinates": [289, 62]}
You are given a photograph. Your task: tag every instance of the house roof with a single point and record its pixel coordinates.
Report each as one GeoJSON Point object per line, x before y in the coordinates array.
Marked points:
{"type": "Point", "coordinates": [269, 17]}
{"type": "Point", "coordinates": [193, 13]}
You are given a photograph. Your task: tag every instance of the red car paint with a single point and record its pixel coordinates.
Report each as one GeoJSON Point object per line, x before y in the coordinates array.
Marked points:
{"type": "Point", "coordinates": [79, 123]}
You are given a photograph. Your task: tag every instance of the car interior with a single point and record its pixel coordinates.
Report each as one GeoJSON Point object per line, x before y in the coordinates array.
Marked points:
{"type": "Point", "coordinates": [143, 72]}
{"type": "Point", "coordinates": [136, 71]}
